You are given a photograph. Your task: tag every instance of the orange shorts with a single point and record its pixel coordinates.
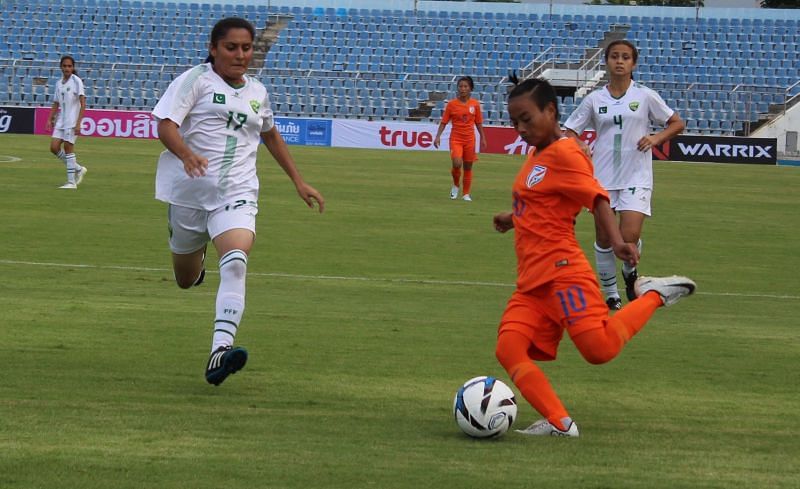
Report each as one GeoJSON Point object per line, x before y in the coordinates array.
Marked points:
{"type": "Point", "coordinates": [572, 303]}
{"type": "Point", "coordinates": [464, 150]}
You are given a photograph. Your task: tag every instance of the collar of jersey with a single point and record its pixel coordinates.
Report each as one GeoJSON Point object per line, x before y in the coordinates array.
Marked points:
{"type": "Point", "coordinates": [623, 93]}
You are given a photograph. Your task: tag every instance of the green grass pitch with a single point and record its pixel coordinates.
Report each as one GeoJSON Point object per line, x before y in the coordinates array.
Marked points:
{"type": "Point", "coordinates": [361, 324]}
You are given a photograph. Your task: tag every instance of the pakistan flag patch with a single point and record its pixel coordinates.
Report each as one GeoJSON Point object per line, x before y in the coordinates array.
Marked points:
{"type": "Point", "coordinates": [633, 106]}
{"type": "Point", "coordinates": [219, 98]}
{"type": "Point", "coordinates": [603, 110]}
{"type": "Point", "coordinates": [255, 105]}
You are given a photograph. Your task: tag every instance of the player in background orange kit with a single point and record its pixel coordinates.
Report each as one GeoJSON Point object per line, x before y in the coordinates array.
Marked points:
{"type": "Point", "coordinates": [465, 112]}
{"type": "Point", "coordinates": [556, 287]}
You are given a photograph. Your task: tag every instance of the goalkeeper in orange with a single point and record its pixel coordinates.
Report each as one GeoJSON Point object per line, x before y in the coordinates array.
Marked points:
{"type": "Point", "coordinates": [465, 114]}
{"type": "Point", "coordinates": [556, 287]}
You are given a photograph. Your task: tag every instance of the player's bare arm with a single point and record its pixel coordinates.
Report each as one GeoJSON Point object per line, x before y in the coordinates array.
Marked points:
{"type": "Point", "coordinates": [584, 147]}
{"type": "Point", "coordinates": [77, 128]}
{"type": "Point", "coordinates": [503, 222]}
{"type": "Point", "coordinates": [51, 120]}
{"type": "Point", "coordinates": [193, 164]}
{"type": "Point", "coordinates": [483, 137]}
{"type": "Point", "coordinates": [438, 139]}
{"type": "Point", "coordinates": [675, 126]}
{"type": "Point", "coordinates": [280, 151]}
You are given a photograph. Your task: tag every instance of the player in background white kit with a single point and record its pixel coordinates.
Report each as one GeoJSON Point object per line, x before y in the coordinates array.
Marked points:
{"type": "Point", "coordinates": [621, 113]}
{"type": "Point", "coordinates": [211, 119]}
{"type": "Point", "coordinates": [66, 113]}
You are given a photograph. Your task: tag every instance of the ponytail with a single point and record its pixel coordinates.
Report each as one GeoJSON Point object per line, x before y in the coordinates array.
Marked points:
{"type": "Point", "coordinates": [539, 90]}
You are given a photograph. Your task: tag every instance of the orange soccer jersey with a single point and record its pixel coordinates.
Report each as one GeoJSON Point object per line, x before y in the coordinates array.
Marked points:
{"type": "Point", "coordinates": [549, 191]}
{"type": "Point", "coordinates": [464, 116]}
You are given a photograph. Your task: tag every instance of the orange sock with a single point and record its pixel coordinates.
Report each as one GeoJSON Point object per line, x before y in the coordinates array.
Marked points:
{"type": "Point", "coordinates": [467, 181]}
{"type": "Point", "coordinates": [456, 172]}
{"type": "Point", "coordinates": [602, 345]}
{"type": "Point", "coordinates": [512, 352]}
{"type": "Point", "coordinates": [632, 318]}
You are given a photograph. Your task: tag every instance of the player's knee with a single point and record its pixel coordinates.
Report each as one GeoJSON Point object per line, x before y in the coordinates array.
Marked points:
{"type": "Point", "coordinates": [184, 282]}
{"type": "Point", "coordinates": [186, 279]}
{"type": "Point", "coordinates": [233, 265]}
{"type": "Point", "coordinates": [508, 351]}
{"type": "Point", "coordinates": [598, 356]}
{"type": "Point", "coordinates": [501, 354]}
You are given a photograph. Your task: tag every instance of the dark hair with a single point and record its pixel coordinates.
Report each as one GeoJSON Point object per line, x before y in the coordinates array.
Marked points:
{"type": "Point", "coordinates": [538, 89]}
{"type": "Point", "coordinates": [621, 42]}
{"type": "Point", "coordinates": [65, 57]}
{"type": "Point", "coordinates": [222, 27]}
{"type": "Point", "coordinates": [467, 79]}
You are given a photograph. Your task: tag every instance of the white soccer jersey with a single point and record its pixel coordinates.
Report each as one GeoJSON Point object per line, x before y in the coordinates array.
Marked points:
{"type": "Point", "coordinates": [220, 123]}
{"type": "Point", "coordinates": [620, 123]}
{"type": "Point", "coordinates": [68, 95]}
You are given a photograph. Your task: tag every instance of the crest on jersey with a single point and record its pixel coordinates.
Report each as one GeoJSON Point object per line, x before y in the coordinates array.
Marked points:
{"type": "Point", "coordinates": [603, 110]}
{"type": "Point", "coordinates": [472, 110]}
{"type": "Point", "coordinates": [219, 98]}
{"type": "Point", "coordinates": [255, 105]}
{"type": "Point", "coordinates": [536, 175]}
{"type": "Point", "coordinates": [633, 106]}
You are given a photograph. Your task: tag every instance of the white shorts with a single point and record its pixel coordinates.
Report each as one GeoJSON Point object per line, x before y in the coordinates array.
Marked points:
{"type": "Point", "coordinates": [631, 199]}
{"type": "Point", "coordinates": [67, 135]}
{"type": "Point", "coordinates": [190, 229]}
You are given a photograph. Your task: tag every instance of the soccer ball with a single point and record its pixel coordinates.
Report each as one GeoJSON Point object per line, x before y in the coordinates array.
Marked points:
{"type": "Point", "coordinates": [484, 407]}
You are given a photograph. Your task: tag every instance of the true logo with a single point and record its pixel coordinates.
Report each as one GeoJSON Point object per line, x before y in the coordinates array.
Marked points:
{"type": "Point", "coordinates": [633, 106]}
{"type": "Point", "coordinates": [219, 98]}
{"type": "Point", "coordinates": [603, 110]}
{"type": "Point", "coordinates": [255, 105]}
{"type": "Point", "coordinates": [536, 175]}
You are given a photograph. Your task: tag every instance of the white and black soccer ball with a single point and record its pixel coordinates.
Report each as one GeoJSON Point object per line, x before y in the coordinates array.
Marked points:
{"type": "Point", "coordinates": [484, 407]}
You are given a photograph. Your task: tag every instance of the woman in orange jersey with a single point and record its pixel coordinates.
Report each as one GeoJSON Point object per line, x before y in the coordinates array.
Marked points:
{"type": "Point", "coordinates": [465, 112]}
{"type": "Point", "coordinates": [556, 287]}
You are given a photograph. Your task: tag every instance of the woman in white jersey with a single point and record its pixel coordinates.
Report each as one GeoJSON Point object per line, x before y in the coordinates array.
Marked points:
{"type": "Point", "coordinates": [621, 114]}
{"type": "Point", "coordinates": [69, 103]}
{"type": "Point", "coordinates": [211, 119]}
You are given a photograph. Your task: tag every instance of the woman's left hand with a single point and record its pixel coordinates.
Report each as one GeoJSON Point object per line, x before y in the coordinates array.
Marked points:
{"type": "Point", "coordinates": [310, 195]}
{"type": "Point", "coordinates": [647, 143]}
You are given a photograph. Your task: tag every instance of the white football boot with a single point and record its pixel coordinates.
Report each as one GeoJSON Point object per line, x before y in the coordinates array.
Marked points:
{"type": "Point", "coordinates": [453, 192]}
{"type": "Point", "coordinates": [671, 289]}
{"type": "Point", "coordinates": [69, 185]}
{"type": "Point", "coordinates": [545, 428]}
{"type": "Point", "coordinates": [80, 174]}
{"type": "Point", "coordinates": [467, 198]}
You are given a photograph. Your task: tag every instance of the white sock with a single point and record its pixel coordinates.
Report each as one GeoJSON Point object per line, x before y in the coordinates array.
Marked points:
{"type": "Point", "coordinates": [230, 298]}
{"type": "Point", "coordinates": [607, 270]}
{"type": "Point", "coordinates": [72, 167]}
{"type": "Point", "coordinates": [62, 156]}
{"type": "Point", "coordinates": [626, 268]}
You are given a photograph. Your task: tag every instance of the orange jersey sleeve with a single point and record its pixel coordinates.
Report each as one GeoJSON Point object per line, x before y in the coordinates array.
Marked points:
{"type": "Point", "coordinates": [464, 116]}
{"type": "Point", "coordinates": [549, 191]}
{"type": "Point", "coordinates": [446, 115]}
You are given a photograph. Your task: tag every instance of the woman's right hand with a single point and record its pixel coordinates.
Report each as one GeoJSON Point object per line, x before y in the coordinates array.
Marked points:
{"type": "Point", "coordinates": [503, 222]}
{"type": "Point", "coordinates": [194, 165]}
{"type": "Point", "coordinates": [437, 141]}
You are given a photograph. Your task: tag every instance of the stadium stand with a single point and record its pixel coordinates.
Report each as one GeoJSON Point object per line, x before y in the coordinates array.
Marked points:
{"type": "Point", "coordinates": [722, 75]}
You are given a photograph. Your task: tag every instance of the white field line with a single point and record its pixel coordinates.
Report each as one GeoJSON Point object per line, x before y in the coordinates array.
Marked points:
{"type": "Point", "coordinates": [352, 279]}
